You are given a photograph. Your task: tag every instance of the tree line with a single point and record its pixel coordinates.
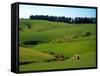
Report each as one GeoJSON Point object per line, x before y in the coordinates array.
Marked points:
{"type": "Point", "coordinates": [64, 19]}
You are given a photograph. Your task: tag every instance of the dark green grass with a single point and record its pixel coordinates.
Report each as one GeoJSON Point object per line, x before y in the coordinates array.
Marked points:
{"type": "Point", "coordinates": [62, 29]}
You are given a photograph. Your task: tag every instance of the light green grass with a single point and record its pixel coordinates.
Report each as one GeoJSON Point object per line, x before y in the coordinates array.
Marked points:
{"type": "Point", "coordinates": [68, 49]}
{"type": "Point", "coordinates": [29, 55]}
{"type": "Point", "coordinates": [50, 32]}
{"type": "Point", "coordinates": [87, 60]}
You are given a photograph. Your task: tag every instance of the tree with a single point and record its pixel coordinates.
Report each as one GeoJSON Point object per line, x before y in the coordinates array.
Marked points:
{"type": "Point", "coordinates": [64, 19]}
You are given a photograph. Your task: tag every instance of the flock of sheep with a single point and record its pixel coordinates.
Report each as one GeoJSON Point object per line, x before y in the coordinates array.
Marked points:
{"type": "Point", "coordinates": [61, 57]}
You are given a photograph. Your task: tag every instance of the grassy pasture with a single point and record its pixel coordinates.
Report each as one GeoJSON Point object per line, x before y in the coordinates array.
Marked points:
{"type": "Point", "coordinates": [58, 38]}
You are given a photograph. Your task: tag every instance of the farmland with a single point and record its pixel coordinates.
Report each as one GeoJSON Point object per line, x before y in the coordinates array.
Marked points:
{"type": "Point", "coordinates": [47, 45]}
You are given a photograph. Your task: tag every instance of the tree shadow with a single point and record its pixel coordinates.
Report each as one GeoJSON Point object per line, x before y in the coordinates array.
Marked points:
{"type": "Point", "coordinates": [32, 42]}
{"type": "Point", "coordinates": [28, 62]}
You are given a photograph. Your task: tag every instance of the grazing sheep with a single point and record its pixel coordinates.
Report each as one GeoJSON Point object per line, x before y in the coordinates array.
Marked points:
{"type": "Point", "coordinates": [75, 57]}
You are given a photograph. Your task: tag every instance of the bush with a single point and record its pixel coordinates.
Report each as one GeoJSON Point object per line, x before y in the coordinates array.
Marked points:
{"type": "Point", "coordinates": [60, 57]}
{"type": "Point", "coordinates": [75, 36]}
{"type": "Point", "coordinates": [20, 28]}
{"type": "Point", "coordinates": [29, 26]}
{"type": "Point", "coordinates": [52, 53]}
{"type": "Point", "coordinates": [86, 33]}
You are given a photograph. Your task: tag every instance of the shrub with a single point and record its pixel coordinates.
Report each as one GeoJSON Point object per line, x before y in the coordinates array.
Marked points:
{"type": "Point", "coordinates": [52, 53]}
{"type": "Point", "coordinates": [20, 28]}
{"type": "Point", "coordinates": [86, 33]}
{"type": "Point", "coordinates": [60, 57]}
{"type": "Point", "coordinates": [29, 26]}
{"type": "Point", "coordinates": [75, 36]}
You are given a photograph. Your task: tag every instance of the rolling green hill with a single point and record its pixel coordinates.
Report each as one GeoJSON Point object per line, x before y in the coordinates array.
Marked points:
{"type": "Point", "coordinates": [42, 41]}
{"type": "Point", "coordinates": [51, 30]}
{"type": "Point", "coordinates": [29, 55]}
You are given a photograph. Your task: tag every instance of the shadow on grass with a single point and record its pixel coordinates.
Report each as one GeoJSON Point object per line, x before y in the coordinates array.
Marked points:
{"type": "Point", "coordinates": [32, 42]}
{"type": "Point", "coordinates": [49, 60]}
{"type": "Point", "coordinates": [28, 62]}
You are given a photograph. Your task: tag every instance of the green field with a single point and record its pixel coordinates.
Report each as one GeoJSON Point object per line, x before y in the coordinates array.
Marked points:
{"type": "Point", "coordinates": [46, 45]}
